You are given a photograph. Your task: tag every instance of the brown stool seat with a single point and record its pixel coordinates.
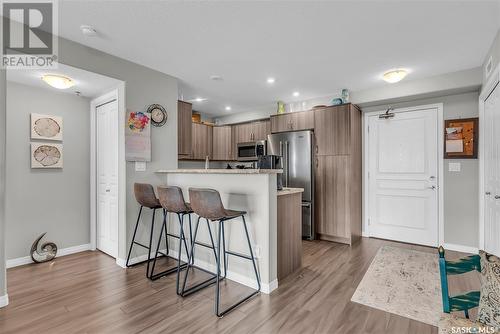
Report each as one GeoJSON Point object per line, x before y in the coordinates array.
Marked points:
{"type": "Point", "coordinates": [230, 214]}
{"type": "Point", "coordinates": [172, 200]}
{"type": "Point", "coordinates": [145, 196]}
{"type": "Point", "coordinates": [208, 204]}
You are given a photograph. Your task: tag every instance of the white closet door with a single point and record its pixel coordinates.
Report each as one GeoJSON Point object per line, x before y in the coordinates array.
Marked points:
{"type": "Point", "coordinates": [107, 178]}
{"type": "Point", "coordinates": [492, 172]}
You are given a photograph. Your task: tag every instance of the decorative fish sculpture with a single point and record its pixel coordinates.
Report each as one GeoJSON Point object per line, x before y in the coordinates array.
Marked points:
{"type": "Point", "coordinates": [48, 250]}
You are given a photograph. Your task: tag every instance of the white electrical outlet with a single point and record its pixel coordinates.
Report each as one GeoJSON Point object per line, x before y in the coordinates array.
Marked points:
{"type": "Point", "coordinates": [257, 252]}
{"type": "Point", "coordinates": [454, 167]}
{"type": "Point", "coordinates": [140, 166]}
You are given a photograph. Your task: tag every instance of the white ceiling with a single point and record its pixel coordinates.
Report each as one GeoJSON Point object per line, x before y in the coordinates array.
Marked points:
{"type": "Point", "coordinates": [312, 47]}
{"type": "Point", "coordinates": [90, 85]}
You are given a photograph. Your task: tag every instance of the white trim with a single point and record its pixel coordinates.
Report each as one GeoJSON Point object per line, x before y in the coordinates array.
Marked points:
{"type": "Point", "coordinates": [60, 252]}
{"type": "Point", "coordinates": [119, 95]}
{"type": "Point", "coordinates": [485, 92]}
{"type": "Point", "coordinates": [440, 143]}
{"type": "Point", "coordinates": [4, 300]}
{"type": "Point", "coordinates": [461, 248]}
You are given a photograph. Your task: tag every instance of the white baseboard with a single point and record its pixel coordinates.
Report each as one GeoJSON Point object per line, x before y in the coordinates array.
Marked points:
{"type": "Point", "coordinates": [60, 252]}
{"type": "Point", "coordinates": [461, 248]}
{"type": "Point", "coordinates": [4, 300]}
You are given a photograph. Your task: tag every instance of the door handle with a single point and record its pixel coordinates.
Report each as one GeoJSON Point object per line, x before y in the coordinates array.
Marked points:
{"type": "Point", "coordinates": [497, 197]}
{"type": "Point", "coordinates": [487, 193]}
{"type": "Point", "coordinates": [108, 190]}
{"type": "Point", "coordinates": [432, 187]}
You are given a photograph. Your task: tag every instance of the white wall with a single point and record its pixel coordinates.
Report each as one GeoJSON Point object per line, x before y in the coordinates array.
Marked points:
{"type": "Point", "coordinates": [3, 280]}
{"type": "Point", "coordinates": [56, 201]}
{"type": "Point", "coordinates": [461, 189]}
{"type": "Point", "coordinates": [494, 53]}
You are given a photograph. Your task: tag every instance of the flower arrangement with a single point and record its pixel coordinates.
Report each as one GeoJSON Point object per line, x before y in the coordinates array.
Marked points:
{"type": "Point", "coordinates": [137, 121]}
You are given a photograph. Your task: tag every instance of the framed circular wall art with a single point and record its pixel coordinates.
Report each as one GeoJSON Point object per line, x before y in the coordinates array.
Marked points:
{"type": "Point", "coordinates": [158, 115]}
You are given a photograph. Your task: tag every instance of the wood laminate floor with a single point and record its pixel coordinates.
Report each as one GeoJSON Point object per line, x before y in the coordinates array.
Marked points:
{"type": "Point", "coordinates": [89, 293]}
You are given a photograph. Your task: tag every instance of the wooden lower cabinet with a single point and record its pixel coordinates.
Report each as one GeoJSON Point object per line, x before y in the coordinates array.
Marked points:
{"type": "Point", "coordinates": [201, 141]}
{"type": "Point", "coordinates": [289, 234]}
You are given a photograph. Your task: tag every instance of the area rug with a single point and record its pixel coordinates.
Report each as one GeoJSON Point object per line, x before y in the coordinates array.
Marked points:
{"type": "Point", "coordinates": [404, 282]}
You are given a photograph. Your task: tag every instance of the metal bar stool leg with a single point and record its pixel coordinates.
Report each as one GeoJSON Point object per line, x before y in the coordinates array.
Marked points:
{"type": "Point", "coordinates": [224, 248]}
{"type": "Point", "coordinates": [133, 237]}
{"type": "Point", "coordinates": [218, 312]}
{"type": "Point", "coordinates": [190, 233]}
{"type": "Point", "coordinates": [166, 233]}
{"type": "Point", "coordinates": [163, 227]}
{"type": "Point", "coordinates": [150, 243]}
{"type": "Point", "coordinates": [186, 292]}
{"type": "Point", "coordinates": [212, 239]}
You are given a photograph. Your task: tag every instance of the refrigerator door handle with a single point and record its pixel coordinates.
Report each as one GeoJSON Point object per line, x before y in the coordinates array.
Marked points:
{"type": "Point", "coordinates": [306, 204]}
{"type": "Point", "coordinates": [287, 164]}
{"type": "Point", "coordinates": [281, 149]}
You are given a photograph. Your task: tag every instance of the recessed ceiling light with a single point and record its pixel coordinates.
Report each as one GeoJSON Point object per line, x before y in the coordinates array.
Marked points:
{"type": "Point", "coordinates": [270, 80]}
{"type": "Point", "coordinates": [394, 76]}
{"type": "Point", "coordinates": [216, 78]}
{"type": "Point", "coordinates": [228, 108]}
{"type": "Point", "coordinates": [58, 81]}
{"type": "Point", "coordinates": [296, 94]}
{"type": "Point", "coordinates": [88, 30]}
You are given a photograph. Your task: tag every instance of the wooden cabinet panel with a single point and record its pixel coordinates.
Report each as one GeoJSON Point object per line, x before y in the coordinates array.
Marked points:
{"type": "Point", "coordinates": [261, 129]}
{"type": "Point", "coordinates": [303, 120]}
{"type": "Point", "coordinates": [202, 141]}
{"type": "Point", "coordinates": [222, 143]}
{"type": "Point", "coordinates": [289, 234]}
{"type": "Point", "coordinates": [332, 197]}
{"type": "Point", "coordinates": [184, 128]}
{"type": "Point", "coordinates": [332, 130]}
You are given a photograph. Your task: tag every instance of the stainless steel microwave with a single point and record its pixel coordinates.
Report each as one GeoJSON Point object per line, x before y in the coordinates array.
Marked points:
{"type": "Point", "coordinates": [251, 151]}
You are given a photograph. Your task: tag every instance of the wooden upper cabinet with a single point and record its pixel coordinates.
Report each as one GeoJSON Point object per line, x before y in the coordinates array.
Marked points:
{"type": "Point", "coordinates": [222, 143]}
{"type": "Point", "coordinates": [184, 128]}
{"type": "Point", "coordinates": [303, 120]}
{"type": "Point", "coordinates": [202, 141]}
{"type": "Point", "coordinates": [332, 130]}
{"type": "Point", "coordinates": [261, 129]}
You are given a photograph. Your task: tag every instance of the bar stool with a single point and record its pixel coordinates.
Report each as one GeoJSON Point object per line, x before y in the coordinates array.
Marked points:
{"type": "Point", "coordinates": [207, 203]}
{"type": "Point", "coordinates": [145, 196]}
{"type": "Point", "coordinates": [172, 200]}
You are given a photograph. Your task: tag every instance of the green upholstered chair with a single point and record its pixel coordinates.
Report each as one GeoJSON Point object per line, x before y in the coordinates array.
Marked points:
{"type": "Point", "coordinates": [463, 302]}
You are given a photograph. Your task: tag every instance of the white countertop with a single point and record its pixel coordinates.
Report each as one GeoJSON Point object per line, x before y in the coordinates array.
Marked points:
{"type": "Point", "coordinates": [289, 191]}
{"type": "Point", "coordinates": [220, 171]}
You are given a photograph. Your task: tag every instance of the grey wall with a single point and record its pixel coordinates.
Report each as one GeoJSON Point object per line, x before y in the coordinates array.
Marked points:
{"type": "Point", "coordinates": [144, 86]}
{"type": "Point", "coordinates": [461, 189]}
{"type": "Point", "coordinates": [494, 53]}
{"type": "Point", "coordinates": [3, 281]}
{"type": "Point", "coordinates": [56, 201]}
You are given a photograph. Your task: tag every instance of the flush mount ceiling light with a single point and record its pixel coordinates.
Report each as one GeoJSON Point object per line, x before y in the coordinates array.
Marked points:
{"type": "Point", "coordinates": [228, 108]}
{"type": "Point", "coordinates": [296, 94]}
{"type": "Point", "coordinates": [199, 99]}
{"type": "Point", "coordinates": [58, 81]}
{"type": "Point", "coordinates": [216, 78]}
{"type": "Point", "coordinates": [88, 30]}
{"type": "Point", "coordinates": [394, 76]}
{"type": "Point", "coordinates": [270, 80]}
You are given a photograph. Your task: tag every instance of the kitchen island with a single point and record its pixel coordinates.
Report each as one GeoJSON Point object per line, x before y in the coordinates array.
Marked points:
{"type": "Point", "coordinates": [250, 190]}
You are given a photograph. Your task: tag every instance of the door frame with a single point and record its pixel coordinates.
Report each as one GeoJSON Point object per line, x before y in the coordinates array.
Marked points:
{"type": "Point", "coordinates": [119, 94]}
{"type": "Point", "coordinates": [491, 84]}
{"type": "Point", "coordinates": [440, 152]}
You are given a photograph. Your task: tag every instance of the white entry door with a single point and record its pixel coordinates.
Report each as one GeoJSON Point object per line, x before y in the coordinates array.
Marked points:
{"type": "Point", "coordinates": [492, 172]}
{"type": "Point", "coordinates": [107, 177]}
{"type": "Point", "coordinates": [403, 176]}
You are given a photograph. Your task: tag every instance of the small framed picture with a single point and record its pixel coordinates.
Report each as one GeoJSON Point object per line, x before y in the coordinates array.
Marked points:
{"type": "Point", "coordinates": [46, 155]}
{"type": "Point", "coordinates": [46, 127]}
{"type": "Point", "coordinates": [461, 138]}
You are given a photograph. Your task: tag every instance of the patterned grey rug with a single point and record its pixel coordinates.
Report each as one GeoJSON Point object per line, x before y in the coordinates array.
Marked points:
{"type": "Point", "coordinates": [404, 282]}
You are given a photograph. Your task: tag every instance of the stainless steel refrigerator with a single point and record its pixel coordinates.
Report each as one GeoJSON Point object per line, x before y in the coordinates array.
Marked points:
{"type": "Point", "coordinates": [296, 150]}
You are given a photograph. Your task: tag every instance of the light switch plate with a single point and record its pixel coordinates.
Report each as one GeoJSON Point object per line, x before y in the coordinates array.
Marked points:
{"type": "Point", "coordinates": [140, 166]}
{"type": "Point", "coordinates": [454, 166]}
